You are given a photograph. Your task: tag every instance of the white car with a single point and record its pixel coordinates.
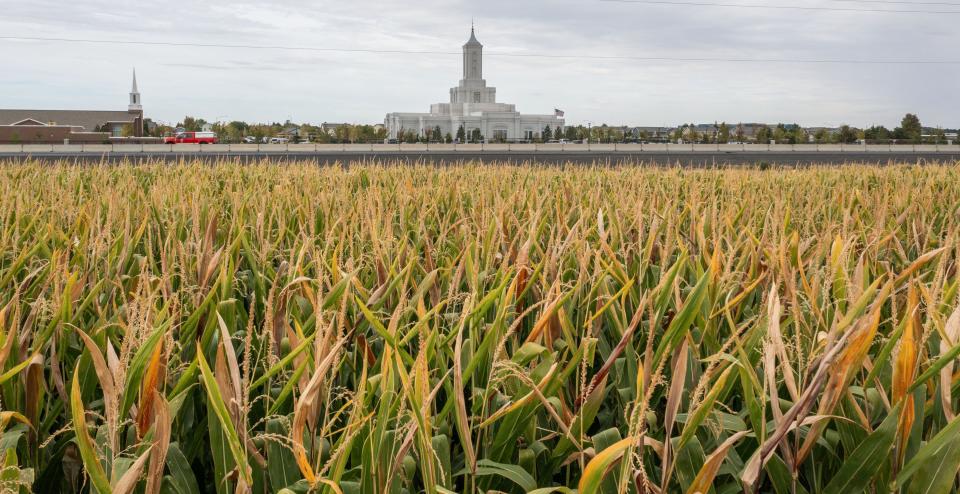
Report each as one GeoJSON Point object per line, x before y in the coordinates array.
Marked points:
{"type": "Point", "coordinates": [250, 140]}
{"type": "Point", "coordinates": [279, 140]}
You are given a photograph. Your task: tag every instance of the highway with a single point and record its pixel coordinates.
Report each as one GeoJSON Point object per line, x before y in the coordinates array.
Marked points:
{"type": "Point", "coordinates": [606, 157]}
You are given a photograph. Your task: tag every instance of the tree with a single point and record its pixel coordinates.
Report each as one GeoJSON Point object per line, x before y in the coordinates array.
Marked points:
{"type": "Point", "coordinates": [723, 135]}
{"type": "Point", "coordinates": [910, 128]}
{"type": "Point", "coordinates": [475, 136]}
{"type": "Point", "coordinates": [764, 134]}
{"type": "Point", "coordinates": [940, 136]}
{"type": "Point", "coordinates": [558, 133]}
{"type": "Point", "coordinates": [437, 134]}
{"type": "Point", "coordinates": [571, 133]}
{"type": "Point", "coordinates": [876, 133]}
{"type": "Point", "coordinates": [847, 135]}
{"type": "Point", "coordinates": [191, 124]}
{"type": "Point", "coordinates": [780, 133]}
{"type": "Point", "coordinates": [677, 135]}
{"type": "Point", "coordinates": [740, 135]}
{"type": "Point", "coordinates": [448, 138]}
{"type": "Point", "coordinates": [461, 134]}
{"type": "Point", "coordinates": [547, 133]}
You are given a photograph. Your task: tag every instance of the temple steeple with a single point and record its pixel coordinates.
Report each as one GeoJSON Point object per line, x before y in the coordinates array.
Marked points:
{"type": "Point", "coordinates": [134, 95]}
{"type": "Point", "coordinates": [472, 57]}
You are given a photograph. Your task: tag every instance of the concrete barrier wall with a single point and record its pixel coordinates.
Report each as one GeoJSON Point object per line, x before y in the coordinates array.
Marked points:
{"type": "Point", "coordinates": [492, 147]}
{"type": "Point", "coordinates": [472, 148]}
{"type": "Point", "coordinates": [208, 148]}
{"type": "Point", "coordinates": [188, 148]}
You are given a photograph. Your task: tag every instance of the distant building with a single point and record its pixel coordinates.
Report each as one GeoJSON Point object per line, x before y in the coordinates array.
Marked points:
{"type": "Point", "coordinates": [473, 105]}
{"type": "Point", "coordinates": [74, 126]}
{"type": "Point", "coordinates": [331, 128]}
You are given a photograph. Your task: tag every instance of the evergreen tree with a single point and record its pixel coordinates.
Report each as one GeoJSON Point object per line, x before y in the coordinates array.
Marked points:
{"type": "Point", "coordinates": [547, 133]}
{"type": "Point", "coordinates": [461, 134]}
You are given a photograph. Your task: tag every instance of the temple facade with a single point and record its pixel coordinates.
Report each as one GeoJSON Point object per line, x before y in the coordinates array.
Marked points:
{"type": "Point", "coordinates": [473, 106]}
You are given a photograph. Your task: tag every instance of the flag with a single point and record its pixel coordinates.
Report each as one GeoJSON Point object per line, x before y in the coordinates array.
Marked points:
{"type": "Point", "coordinates": [558, 112]}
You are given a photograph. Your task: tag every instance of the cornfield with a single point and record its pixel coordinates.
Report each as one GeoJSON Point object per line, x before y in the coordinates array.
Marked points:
{"type": "Point", "coordinates": [215, 327]}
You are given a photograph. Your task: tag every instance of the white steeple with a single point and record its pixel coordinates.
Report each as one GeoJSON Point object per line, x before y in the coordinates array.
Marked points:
{"type": "Point", "coordinates": [134, 95]}
{"type": "Point", "coordinates": [472, 57]}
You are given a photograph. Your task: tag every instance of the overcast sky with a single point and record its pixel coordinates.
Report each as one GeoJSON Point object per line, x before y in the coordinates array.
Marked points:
{"type": "Point", "coordinates": [311, 86]}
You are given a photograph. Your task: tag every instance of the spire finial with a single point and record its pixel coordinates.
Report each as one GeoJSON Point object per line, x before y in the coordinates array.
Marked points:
{"type": "Point", "coordinates": [134, 88]}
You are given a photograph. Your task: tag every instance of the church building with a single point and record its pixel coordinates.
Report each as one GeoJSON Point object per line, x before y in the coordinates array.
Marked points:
{"type": "Point", "coordinates": [473, 105]}
{"type": "Point", "coordinates": [73, 126]}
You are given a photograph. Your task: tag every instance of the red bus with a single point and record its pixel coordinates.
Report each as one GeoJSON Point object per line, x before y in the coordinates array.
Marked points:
{"type": "Point", "coordinates": [191, 138]}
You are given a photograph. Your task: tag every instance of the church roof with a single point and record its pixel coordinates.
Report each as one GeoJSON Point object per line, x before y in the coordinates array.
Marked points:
{"type": "Point", "coordinates": [89, 120]}
{"type": "Point", "coordinates": [473, 39]}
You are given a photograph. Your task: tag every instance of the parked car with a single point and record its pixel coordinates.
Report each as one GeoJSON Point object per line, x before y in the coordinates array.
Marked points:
{"type": "Point", "coordinates": [279, 140]}
{"type": "Point", "coordinates": [250, 140]}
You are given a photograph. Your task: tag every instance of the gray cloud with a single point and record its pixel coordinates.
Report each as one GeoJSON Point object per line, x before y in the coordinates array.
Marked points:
{"type": "Point", "coordinates": [266, 85]}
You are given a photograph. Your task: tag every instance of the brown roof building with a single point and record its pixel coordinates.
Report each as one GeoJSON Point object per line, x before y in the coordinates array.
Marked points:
{"type": "Point", "coordinates": [72, 126]}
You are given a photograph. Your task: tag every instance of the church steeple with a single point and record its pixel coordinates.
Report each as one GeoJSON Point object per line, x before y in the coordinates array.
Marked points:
{"type": "Point", "coordinates": [134, 95]}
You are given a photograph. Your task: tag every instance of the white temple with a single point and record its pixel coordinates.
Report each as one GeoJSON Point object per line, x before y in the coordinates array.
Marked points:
{"type": "Point", "coordinates": [473, 105]}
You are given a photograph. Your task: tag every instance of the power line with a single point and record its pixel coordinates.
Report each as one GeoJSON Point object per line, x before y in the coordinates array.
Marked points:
{"type": "Point", "coordinates": [901, 2]}
{"type": "Point", "coordinates": [492, 54]}
{"type": "Point", "coordinates": [781, 7]}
